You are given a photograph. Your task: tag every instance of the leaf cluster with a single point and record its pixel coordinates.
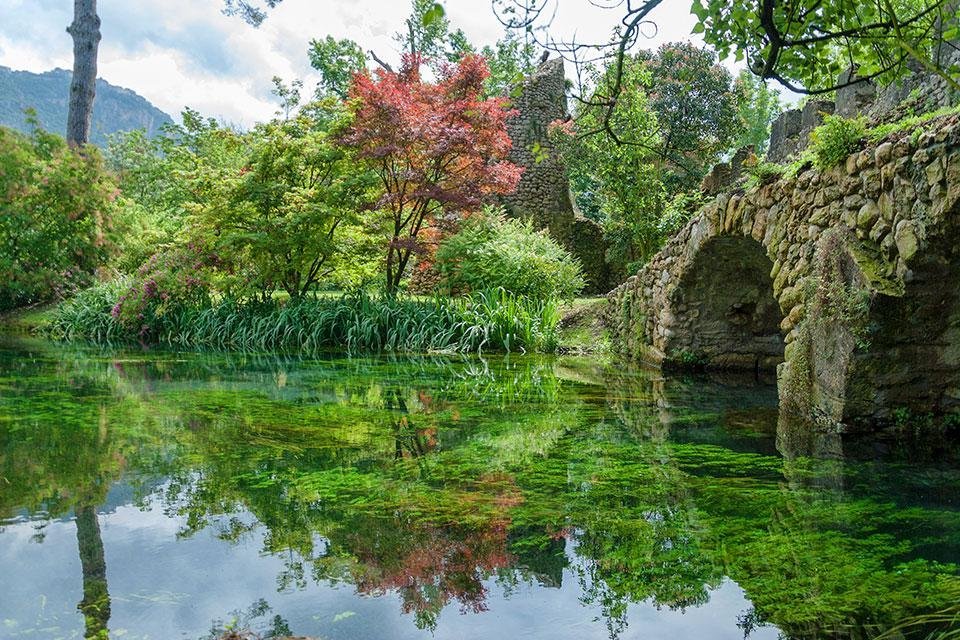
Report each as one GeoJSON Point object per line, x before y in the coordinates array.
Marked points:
{"type": "Point", "coordinates": [807, 44]}
{"type": "Point", "coordinates": [437, 149]}
{"type": "Point", "coordinates": [835, 139]}
{"type": "Point", "coordinates": [337, 61]}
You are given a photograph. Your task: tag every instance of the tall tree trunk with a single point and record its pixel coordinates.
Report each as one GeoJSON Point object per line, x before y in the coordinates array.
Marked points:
{"type": "Point", "coordinates": [95, 605]}
{"type": "Point", "coordinates": [85, 32]}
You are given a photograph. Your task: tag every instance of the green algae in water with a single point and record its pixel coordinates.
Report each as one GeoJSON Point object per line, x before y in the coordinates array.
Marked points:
{"type": "Point", "coordinates": [408, 491]}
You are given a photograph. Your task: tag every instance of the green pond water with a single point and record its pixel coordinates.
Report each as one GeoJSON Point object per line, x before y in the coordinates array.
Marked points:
{"type": "Point", "coordinates": [169, 495]}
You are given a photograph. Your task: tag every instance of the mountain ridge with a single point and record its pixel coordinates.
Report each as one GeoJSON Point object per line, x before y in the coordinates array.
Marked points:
{"type": "Point", "coordinates": [115, 108]}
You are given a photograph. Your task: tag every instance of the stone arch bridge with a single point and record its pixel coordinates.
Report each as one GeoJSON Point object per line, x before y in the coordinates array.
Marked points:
{"type": "Point", "coordinates": [846, 282]}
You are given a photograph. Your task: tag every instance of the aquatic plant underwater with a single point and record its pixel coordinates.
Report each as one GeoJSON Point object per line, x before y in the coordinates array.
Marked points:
{"type": "Point", "coordinates": [459, 483]}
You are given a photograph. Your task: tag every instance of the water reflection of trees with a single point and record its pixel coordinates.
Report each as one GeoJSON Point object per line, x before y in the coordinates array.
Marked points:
{"type": "Point", "coordinates": [428, 478]}
{"type": "Point", "coordinates": [65, 438]}
{"type": "Point", "coordinates": [822, 547]}
{"type": "Point", "coordinates": [353, 476]}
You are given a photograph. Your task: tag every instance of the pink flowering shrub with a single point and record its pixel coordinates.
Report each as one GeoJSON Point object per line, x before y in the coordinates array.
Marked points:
{"type": "Point", "coordinates": [176, 277]}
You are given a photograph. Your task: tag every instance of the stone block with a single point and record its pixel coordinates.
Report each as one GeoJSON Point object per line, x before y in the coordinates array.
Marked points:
{"type": "Point", "coordinates": [883, 154]}
{"type": "Point", "coordinates": [855, 98]}
{"type": "Point", "coordinates": [907, 239]}
{"type": "Point", "coordinates": [783, 134]}
{"type": "Point", "coordinates": [868, 215]}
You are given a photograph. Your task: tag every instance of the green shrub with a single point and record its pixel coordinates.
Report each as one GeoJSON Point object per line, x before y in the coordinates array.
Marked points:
{"type": "Point", "coordinates": [916, 124]}
{"type": "Point", "coordinates": [678, 212]}
{"type": "Point", "coordinates": [763, 173]}
{"type": "Point", "coordinates": [492, 251]}
{"type": "Point", "coordinates": [835, 139]}
{"type": "Point", "coordinates": [494, 320]}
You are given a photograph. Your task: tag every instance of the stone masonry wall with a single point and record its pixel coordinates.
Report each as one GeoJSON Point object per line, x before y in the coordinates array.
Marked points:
{"type": "Point", "coordinates": [862, 263]}
{"type": "Point", "coordinates": [918, 92]}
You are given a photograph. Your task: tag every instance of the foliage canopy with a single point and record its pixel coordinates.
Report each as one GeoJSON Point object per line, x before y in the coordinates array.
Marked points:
{"type": "Point", "coordinates": [807, 44]}
{"type": "Point", "coordinates": [437, 148]}
{"type": "Point", "coordinates": [56, 214]}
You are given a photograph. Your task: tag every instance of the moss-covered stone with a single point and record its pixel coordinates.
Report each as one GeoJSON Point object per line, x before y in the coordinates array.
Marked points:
{"type": "Point", "coordinates": [543, 194]}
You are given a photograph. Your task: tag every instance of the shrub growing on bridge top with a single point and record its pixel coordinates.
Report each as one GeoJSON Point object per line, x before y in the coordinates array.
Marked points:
{"type": "Point", "coordinates": [835, 139]}
{"type": "Point", "coordinates": [492, 251]}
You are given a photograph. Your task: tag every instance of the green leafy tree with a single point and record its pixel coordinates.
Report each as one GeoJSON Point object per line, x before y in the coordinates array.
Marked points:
{"type": "Point", "coordinates": [161, 173]}
{"type": "Point", "coordinates": [620, 185]}
{"type": "Point", "coordinates": [459, 46]}
{"type": "Point", "coordinates": [511, 59]}
{"type": "Point", "coordinates": [162, 177]}
{"type": "Point", "coordinates": [806, 44]}
{"type": "Point", "coordinates": [56, 210]}
{"type": "Point", "coordinates": [253, 13]}
{"type": "Point", "coordinates": [758, 106]}
{"type": "Point", "coordinates": [427, 32]}
{"type": "Point", "coordinates": [675, 115]}
{"type": "Point", "coordinates": [248, 213]}
{"type": "Point", "coordinates": [337, 61]}
{"type": "Point", "coordinates": [275, 221]}
{"type": "Point", "coordinates": [696, 107]}
{"type": "Point", "coordinates": [288, 94]}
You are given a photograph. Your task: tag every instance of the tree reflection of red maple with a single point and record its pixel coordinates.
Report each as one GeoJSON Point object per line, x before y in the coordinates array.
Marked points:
{"type": "Point", "coordinates": [430, 565]}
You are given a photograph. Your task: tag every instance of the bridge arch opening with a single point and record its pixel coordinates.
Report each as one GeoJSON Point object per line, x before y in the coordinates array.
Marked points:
{"type": "Point", "coordinates": [908, 361]}
{"type": "Point", "coordinates": [726, 314]}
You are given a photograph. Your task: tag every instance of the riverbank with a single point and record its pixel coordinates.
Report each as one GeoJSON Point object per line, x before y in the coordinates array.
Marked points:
{"type": "Point", "coordinates": [28, 321]}
{"type": "Point", "coordinates": [583, 329]}
{"type": "Point", "coordinates": [411, 324]}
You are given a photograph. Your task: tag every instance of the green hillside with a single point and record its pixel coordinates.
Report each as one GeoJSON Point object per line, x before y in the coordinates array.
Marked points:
{"type": "Point", "coordinates": [115, 109]}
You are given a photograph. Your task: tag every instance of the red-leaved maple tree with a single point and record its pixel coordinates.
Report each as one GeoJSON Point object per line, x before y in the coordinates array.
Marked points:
{"type": "Point", "coordinates": [437, 147]}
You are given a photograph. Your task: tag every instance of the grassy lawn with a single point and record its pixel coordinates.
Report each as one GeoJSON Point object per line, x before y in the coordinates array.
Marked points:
{"type": "Point", "coordinates": [581, 328]}
{"type": "Point", "coordinates": [24, 321]}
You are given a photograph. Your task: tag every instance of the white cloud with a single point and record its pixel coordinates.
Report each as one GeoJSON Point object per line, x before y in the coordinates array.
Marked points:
{"type": "Point", "coordinates": [179, 53]}
{"type": "Point", "coordinates": [162, 76]}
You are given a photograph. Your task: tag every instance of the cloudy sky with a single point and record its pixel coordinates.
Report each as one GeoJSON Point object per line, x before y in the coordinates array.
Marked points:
{"type": "Point", "coordinates": [179, 53]}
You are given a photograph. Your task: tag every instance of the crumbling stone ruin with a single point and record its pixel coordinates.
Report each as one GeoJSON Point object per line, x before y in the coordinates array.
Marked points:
{"type": "Point", "coordinates": [543, 194]}
{"type": "Point", "coordinates": [790, 132]}
{"type": "Point", "coordinates": [919, 92]}
{"type": "Point", "coordinates": [725, 174]}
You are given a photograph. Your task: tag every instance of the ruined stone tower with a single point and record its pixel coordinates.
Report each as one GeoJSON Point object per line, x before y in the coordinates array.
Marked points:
{"type": "Point", "coordinates": [543, 194]}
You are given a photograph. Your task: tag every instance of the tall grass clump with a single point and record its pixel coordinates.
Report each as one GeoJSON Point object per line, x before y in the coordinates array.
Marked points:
{"type": "Point", "coordinates": [485, 321]}
{"type": "Point", "coordinates": [87, 315]}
